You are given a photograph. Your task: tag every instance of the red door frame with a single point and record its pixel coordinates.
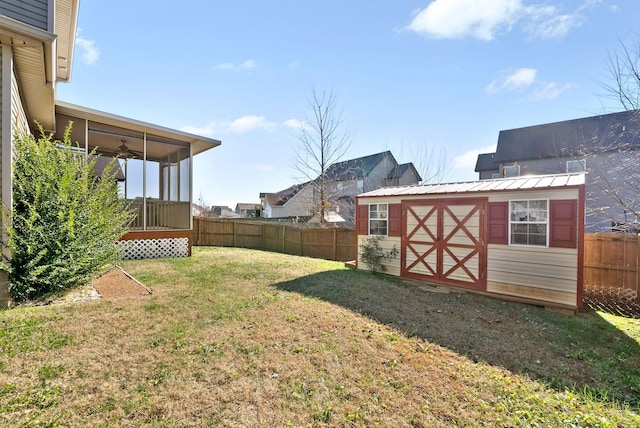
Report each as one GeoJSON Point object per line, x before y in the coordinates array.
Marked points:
{"type": "Point", "coordinates": [440, 244]}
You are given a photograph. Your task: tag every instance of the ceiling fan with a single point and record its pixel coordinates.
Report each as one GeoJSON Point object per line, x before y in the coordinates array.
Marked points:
{"type": "Point", "coordinates": [124, 151]}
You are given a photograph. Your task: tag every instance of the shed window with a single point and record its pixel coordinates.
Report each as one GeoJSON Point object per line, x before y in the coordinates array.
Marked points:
{"type": "Point", "coordinates": [378, 219]}
{"type": "Point", "coordinates": [529, 222]}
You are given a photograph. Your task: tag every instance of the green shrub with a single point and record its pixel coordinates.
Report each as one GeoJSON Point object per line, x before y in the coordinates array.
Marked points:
{"type": "Point", "coordinates": [64, 220]}
{"type": "Point", "coordinates": [372, 254]}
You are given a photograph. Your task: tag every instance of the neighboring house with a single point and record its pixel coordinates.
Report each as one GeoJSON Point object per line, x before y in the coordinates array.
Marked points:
{"type": "Point", "coordinates": [344, 181]}
{"type": "Point", "coordinates": [282, 204]}
{"type": "Point", "coordinates": [605, 146]}
{"type": "Point", "coordinates": [37, 42]}
{"type": "Point", "coordinates": [221, 211]}
{"type": "Point", "coordinates": [246, 210]}
{"type": "Point", "coordinates": [518, 238]}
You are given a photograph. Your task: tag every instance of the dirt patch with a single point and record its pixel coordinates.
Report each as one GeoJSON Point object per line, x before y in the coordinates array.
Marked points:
{"type": "Point", "coordinates": [117, 283]}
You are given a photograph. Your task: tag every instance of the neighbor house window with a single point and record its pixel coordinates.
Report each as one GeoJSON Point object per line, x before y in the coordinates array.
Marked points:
{"type": "Point", "coordinates": [576, 165]}
{"type": "Point", "coordinates": [378, 219]}
{"type": "Point", "coordinates": [511, 171]}
{"type": "Point", "coordinates": [528, 222]}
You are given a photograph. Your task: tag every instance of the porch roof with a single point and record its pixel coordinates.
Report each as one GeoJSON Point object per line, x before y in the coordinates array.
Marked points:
{"type": "Point", "coordinates": [526, 182]}
{"type": "Point", "coordinates": [198, 143]}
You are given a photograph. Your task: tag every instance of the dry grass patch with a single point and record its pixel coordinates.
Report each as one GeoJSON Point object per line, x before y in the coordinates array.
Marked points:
{"type": "Point", "coordinates": [237, 337]}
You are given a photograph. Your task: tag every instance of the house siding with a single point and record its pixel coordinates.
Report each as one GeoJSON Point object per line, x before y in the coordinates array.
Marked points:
{"type": "Point", "coordinates": [603, 174]}
{"type": "Point", "coordinates": [32, 12]}
{"type": "Point", "coordinates": [20, 123]}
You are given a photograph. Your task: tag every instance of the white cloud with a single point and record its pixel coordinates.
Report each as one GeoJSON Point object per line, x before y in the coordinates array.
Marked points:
{"type": "Point", "coordinates": [513, 81]}
{"type": "Point", "coordinates": [456, 19]}
{"type": "Point", "coordinates": [294, 124]}
{"type": "Point", "coordinates": [249, 123]}
{"type": "Point", "coordinates": [468, 159]}
{"type": "Point", "coordinates": [209, 130]}
{"type": "Point", "coordinates": [546, 22]}
{"type": "Point", "coordinates": [247, 65]}
{"type": "Point", "coordinates": [89, 52]}
{"type": "Point", "coordinates": [550, 90]}
{"type": "Point", "coordinates": [526, 79]}
{"type": "Point", "coordinates": [240, 125]}
{"type": "Point", "coordinates": [265, 168]}
{"type": "Point", "coordinates": [453, 19]}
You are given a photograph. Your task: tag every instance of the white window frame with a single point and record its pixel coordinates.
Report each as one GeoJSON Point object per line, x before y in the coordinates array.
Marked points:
{"type": "Point", "coordinates": [582, 165]}
{"type": "Point", "coordinates": [381, 215]}
{"type": "Point", "coordinates": [528, 222]}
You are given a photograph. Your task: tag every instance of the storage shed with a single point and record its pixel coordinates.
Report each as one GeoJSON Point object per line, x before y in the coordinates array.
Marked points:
{"type": "Point", "coordinates": [520, 238]}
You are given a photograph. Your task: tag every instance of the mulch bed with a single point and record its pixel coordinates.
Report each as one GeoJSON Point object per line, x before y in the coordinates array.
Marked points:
{"type": "Point", "coordinates": [118, 283]}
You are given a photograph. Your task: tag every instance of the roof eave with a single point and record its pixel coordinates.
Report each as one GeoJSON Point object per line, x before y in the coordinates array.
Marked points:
{"type": "Point", "coordinates": [198, 143]}
{"type": "Point", "coordinates": [34, 57]}
{"type": "Point", "coordinates": [66, 22]}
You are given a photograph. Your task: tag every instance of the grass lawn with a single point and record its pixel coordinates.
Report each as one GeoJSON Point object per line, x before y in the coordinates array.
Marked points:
{"type": "Point", "coordinates": [242, 338]}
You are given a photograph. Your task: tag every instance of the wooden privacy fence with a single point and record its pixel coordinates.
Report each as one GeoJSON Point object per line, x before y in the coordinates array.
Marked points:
{"type": "Point", "coordinates": [329, 244]}
{"type": "Point", "coordinates": [611, 264]}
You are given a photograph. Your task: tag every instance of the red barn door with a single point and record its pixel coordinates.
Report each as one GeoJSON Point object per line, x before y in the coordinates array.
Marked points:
{"type": "Point", "coordinates": [444, 242]}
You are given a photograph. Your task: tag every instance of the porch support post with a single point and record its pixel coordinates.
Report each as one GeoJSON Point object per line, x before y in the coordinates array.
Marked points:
{"type": "Point", "coordinates": [144, 181]}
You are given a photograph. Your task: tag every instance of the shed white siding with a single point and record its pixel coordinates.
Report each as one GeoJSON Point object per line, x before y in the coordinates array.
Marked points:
{"type": "Point", "coordinates": [392, 265]}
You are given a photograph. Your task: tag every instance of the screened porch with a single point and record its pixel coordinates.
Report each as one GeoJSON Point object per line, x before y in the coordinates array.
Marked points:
{"type": "Point", "coordinates": [155, 165]}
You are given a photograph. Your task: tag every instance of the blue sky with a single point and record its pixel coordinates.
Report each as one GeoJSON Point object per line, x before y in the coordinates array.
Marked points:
{"type": "Point", "coordinates": [414, 77]}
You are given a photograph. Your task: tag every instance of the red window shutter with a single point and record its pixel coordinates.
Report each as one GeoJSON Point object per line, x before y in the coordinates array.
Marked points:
{"type": "Point", "coordinates": [395, 220]}
{"type": "Point", "coordinates": [362, 220]}
{"type": "Point", "coordinates": [498, 214]}
{"type": "Point", "coordinates": [563, 223]}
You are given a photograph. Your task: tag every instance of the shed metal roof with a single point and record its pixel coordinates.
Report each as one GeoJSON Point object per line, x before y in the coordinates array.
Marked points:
{"type": "Point", "coordinates": [530, 182]}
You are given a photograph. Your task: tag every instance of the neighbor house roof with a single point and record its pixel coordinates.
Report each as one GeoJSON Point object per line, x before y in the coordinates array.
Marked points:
{"type": "Point", "coordinates": [246, 206]}
{"type": "Point", "coordinates": [399, 171]}
{"type": "Point", "coordinates": [569, 138]}
{"type": "Point", "coordinates": [487, 162]}
{"type": "Point", "coordinates": [530, 182]}
{"type": "Point", "coordinates": [356, 168]}
{"type": "Point", "coordinates": [282, 197]}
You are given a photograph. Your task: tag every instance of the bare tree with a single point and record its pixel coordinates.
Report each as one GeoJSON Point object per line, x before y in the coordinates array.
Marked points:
{"type": "Point", "coordinates": [613, 183]}
{"type": "Point", "coordinates": [624, 70]}
{"type": "Point", "coordinates": [429, 160]}
{"type": "Point", "coordinates": [323, 141]}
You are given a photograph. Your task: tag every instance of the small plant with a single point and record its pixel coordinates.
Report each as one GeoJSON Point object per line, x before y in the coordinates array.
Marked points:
{"type": "Point", "coordinates": [372, 254]}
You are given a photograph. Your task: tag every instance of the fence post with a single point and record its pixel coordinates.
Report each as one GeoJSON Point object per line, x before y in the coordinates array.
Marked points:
{"type": "Point", "coordinates": [234, 234]}
{"type": "Point", "coordinates": [284, 231]}
{"type": "Point", "coordinates": [638, 269]}
{"type": "Point", "coordinates": [335, 244]}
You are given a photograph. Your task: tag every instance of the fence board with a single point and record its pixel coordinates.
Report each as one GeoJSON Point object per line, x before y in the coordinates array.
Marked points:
{"type": "Point", "coordinates": [330, 244]}
{"type": "Point", "coordinates": [611, 264]}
